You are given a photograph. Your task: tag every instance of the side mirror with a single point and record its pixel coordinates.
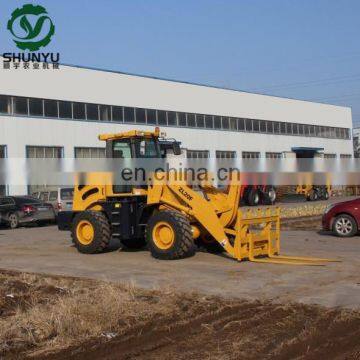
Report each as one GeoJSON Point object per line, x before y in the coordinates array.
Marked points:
{"type": "Point", "coordinates": [176, 148]}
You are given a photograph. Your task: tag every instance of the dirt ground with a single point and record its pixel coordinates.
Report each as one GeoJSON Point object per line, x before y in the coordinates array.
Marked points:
{"type": "Point", "coordinates": [52, 317]}
{"type": "Point", "coordinates": [47, 250]}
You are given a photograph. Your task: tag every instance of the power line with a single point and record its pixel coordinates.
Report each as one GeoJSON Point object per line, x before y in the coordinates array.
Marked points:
{"type": "Point", "coordinates": [326, 81]}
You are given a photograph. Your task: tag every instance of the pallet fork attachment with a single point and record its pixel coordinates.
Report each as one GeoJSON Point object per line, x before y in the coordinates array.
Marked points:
{"type": "Point", "coordinates": [262, 245]}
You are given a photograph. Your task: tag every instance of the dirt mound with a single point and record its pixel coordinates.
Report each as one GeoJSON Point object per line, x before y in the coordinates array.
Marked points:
{"type": "Point", "coordinates": [57, 318]}
{"type": "Point", "coordinates": [239, 330]}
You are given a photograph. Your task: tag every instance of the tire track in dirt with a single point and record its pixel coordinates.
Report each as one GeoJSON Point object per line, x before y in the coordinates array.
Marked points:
{"type": "Point", "coordinates": [236, 330]}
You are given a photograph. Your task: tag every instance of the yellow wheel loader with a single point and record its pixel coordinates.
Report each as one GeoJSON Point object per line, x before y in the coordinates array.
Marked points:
{"type": "Point", "coordinates": [314, 192]}
{"type": "Point", "coordinates": [169, 215]}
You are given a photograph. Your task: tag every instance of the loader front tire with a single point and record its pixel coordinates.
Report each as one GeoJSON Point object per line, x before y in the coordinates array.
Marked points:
{"type": "Point", "coordinates": [91, 232]}
{"type": "Point", "coordinates": [169, 236]}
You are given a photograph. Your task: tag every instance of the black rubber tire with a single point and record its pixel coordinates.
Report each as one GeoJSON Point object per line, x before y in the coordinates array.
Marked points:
{"type": "Point", "coordinates": [183, 245]}
{"type": "Point", "coordinates": [135, 244]}
{"type": "Point", "coordinates": [13, 220]}
{"type": "Point", "coordinates": [253, 197]}
{"type": "Point", "coordinates": [348, 219]}
{"type": "Point", "coordinates": [313, 195]}
{"type": "Point", "coordinates": [102, 231]}
{"type": "Point", "coordinates": [269, 195]}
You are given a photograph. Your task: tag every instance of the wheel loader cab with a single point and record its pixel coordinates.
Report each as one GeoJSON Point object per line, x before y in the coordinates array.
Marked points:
{"type": "Point", "coordinates": [130, 148]}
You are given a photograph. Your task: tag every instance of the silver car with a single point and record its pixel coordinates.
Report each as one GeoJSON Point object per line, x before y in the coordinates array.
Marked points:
{"type": "Point", "coordinates": [60, 198]}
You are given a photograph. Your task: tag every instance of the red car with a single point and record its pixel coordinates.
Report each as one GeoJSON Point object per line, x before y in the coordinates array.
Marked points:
{"type": "Point", "coordinates": [343, 219]}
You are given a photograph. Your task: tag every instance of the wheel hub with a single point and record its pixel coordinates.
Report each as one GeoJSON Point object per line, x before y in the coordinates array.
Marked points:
{"type": "Point", "coordinates": [85, 232]}
{"type": "Point", "coordinates": [344, 226]}
{"type": "Point", "coordinates": [163, 235]}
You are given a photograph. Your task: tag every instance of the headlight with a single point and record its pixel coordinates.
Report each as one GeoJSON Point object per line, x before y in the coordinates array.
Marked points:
{"type": "Point", "coordinates": [328, 208]}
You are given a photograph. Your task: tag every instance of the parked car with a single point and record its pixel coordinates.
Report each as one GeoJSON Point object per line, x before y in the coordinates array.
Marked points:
{"type": "Point", "coordinates": [61, 198]}
{"type": "Point", "coordinates": [17, 210]}
{"type": "Point", "coordinates": [343, 219]}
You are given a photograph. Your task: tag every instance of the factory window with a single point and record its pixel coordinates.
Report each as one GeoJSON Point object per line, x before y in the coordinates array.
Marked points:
{"type": "Point", "coordinates": [92, 112]}
{"type": "Point", "coordinates": [269, 127]}
{"type": "Point", "coordinates": [140, 115]}
{"type": "Point", "coordinates": [44, 152]}
{"type": "Point", "coordinates": [5, 104]}
{"type": "Point", "coordinates": [312, 130]}
{"type": "Point", "coordinates": [233, 124]}
{"type": "Point", "coordinates": [347, 134]}
{"type": "Point", "coordinates": [105, 112]}
{"type": "Point", "coordinates": [333, 132]}
{"type": "Point", "coordinates": [209, 121]}
{"type": "Point", "coordinates": [2, 178]}
{"type": "Point", "coordinates": [2, 151]}
{"type": "Point", "coordinates": [248, 125]}
{"type": "Point", "coordinates": [217, 122]}
{"type": "Point", "coordinates": [277, 129]}
{"type": "Point", "coordinates": [241, 124]}
{"type": "Point", "coordinates": [171, 115]}
{"type": "Point", "coordinates": [117, 113]}
{"type": "Point", "coordinates": [191, 120]}
{"type": "Point", "coordinates": [262, 126]}
{"type": "Point", "coordinates": [273, 155]}
{"type": "Point", "coordinates": [89, 152]}
{"type": "Point", "coordinates": [79, 111]}
{"type": "Point", "coordinates": [225, 122]}
{"type": "Point", "coordinates": [20, 106]}
{"type": "Point", "coordinates": [225, 154]}
{"type": "Point", "coordinates": [301, 129]}
{"type": "Point", "coordinates": [345, 156]}
{"type": "Point", "coordinates": [182, 119]}
{"type": "Point", "coordinates": [295, 129]}
{"type": "Point", "coordinates": [36, 107]}
{"type": "Point", "coordinates": [129, 114]}
{"type": "Point", "coordinates": [250, 155]}
{"type": "Point", "coordinates": [256, 125]}
{"type": "Point", "coordinates": [282, 128]}
{"type": "Point", "coordinates": [161, 117]}
{"type": "Point", "coordinates": [200, 121]}
{"type": "Point", "coordinates": [289, 128]}
{"type": "Point", "coordinates": [329, 156]}
{"type": "Point", "coordinates": [197, 154]}
{"type": "Point", "coordinates": [51, 108]}
{"type": "Point", "coordinates": [151, 117]}
{"type": "Point", "coordinates": [65, 110]}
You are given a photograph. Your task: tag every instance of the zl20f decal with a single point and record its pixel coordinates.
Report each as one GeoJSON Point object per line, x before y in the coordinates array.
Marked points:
{"type": "Point", "coordinates": [186, 194]}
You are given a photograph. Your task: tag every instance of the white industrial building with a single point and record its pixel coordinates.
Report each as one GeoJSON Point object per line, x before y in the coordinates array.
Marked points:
{"type": "Point", "coordinates": [60, 112]}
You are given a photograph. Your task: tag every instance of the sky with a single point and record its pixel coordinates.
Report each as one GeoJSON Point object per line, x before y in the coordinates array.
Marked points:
{"type": "Point", "coordinates": [303, 49]}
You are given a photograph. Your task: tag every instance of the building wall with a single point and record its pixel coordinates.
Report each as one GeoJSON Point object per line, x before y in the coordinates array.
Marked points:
{"type": "Point", "coordinates": [17, 132]}
{"type": "Point", "coordinates": [101, 87]}
{"type": "Point", "coordinates": [108, 88]}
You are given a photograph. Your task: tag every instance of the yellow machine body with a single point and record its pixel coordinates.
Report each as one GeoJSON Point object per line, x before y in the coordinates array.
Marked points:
{"type": "Point", "coordinates": [213, 213]}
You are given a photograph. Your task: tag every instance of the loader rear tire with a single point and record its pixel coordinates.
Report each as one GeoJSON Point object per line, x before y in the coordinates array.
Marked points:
{"type": "Point", "coordinates": [91, 232]}
{"type": "Point", "coordinates": [269, 195]}
{"type": "Point", "coordinates": [253, 197]}
{"type": "Point", "coordinates": [169, 236]}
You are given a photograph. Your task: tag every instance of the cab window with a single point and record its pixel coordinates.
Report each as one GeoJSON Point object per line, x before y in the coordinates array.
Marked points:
{"type": "Point", "coordinates": [146, 148]}
{"type": "Point", "coordinates": [122, 150]}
